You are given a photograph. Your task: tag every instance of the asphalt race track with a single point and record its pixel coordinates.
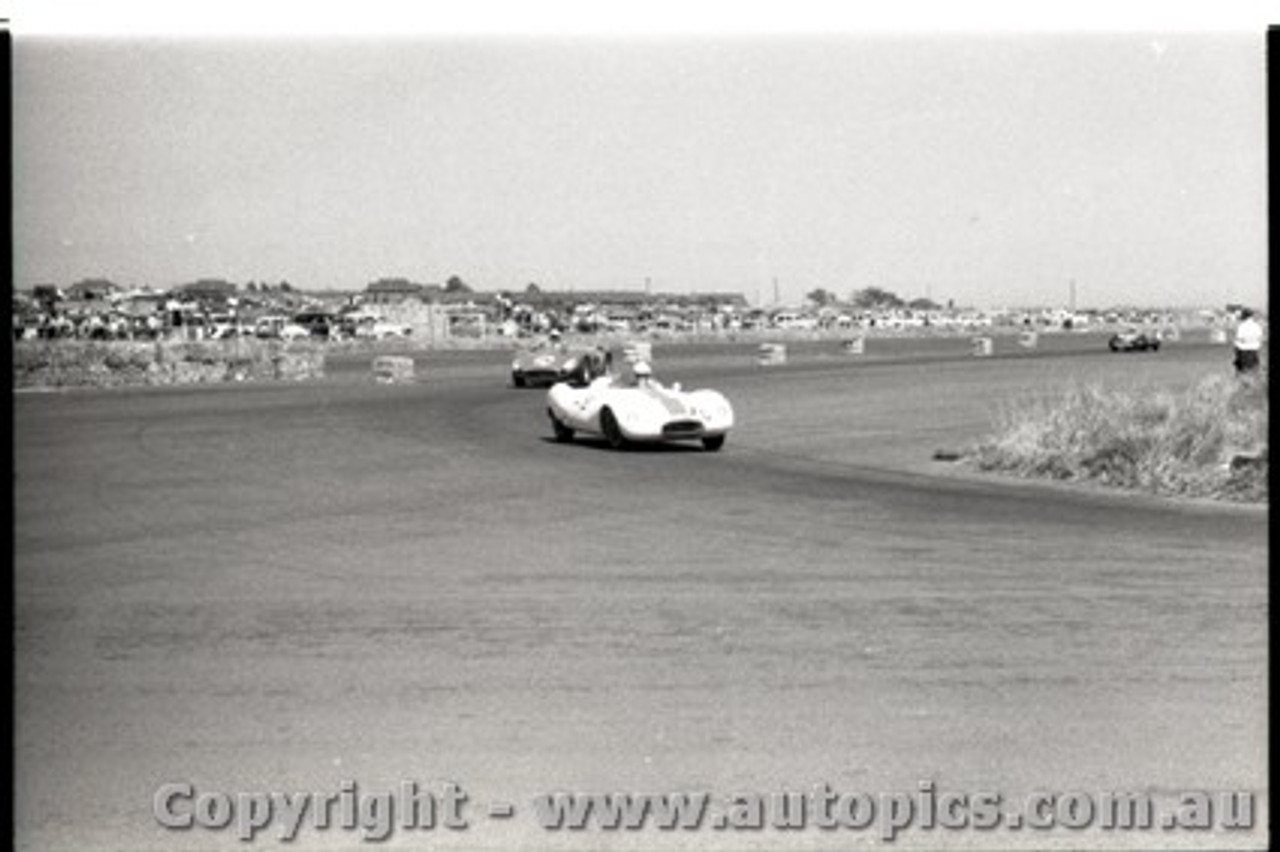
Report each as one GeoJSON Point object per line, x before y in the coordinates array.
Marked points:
{"type": "Point", "coordinates": [280, 588]}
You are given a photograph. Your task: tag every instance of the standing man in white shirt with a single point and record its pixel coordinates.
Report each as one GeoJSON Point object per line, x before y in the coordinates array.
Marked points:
{"type": "Point", "coordinates": [1248, 343]}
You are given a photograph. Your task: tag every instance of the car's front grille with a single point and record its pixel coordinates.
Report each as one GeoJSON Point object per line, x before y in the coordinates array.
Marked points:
{"type": "Point", "coordinates": [682, 429]}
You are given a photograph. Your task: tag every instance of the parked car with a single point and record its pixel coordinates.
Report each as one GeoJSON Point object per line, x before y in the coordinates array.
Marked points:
{"type": "Point", "coordinates": [383, 330]}
{"type": "Point", "coordinates": [365, 325]}
{"type": "Point", "coordinates": [269, 327]}
{"type": "Point", "coordinates": [318, 323]}
{"type": "Point", "coordinates": [225, 327]}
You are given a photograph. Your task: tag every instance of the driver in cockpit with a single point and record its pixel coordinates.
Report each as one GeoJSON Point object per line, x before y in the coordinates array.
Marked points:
{"type": "Point", "coordinates": [643, 374]}
{"type": "Point", "coordinates": [592, 366]}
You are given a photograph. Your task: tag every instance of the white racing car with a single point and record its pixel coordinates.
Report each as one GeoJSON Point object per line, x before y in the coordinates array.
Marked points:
{"type": "Point", "coordinates": [633, 407]}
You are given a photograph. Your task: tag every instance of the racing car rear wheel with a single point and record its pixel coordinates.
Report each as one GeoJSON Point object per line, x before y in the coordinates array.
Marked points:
{"type": "Point", "coordinates": [612, 432]}
{"type": "Point", "coordinates": [563, 433]}
{"type": "Point", "coordinates": [517, 380]}
{"type": "Point", "coordinates": [712, 443]}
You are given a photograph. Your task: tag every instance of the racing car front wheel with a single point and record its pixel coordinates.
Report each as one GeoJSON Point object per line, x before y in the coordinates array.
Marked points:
{"type": "Point", "coordinates": [712, 443]}
{"type": "Point", "coordinates": [563, 433]}
{"type": "Point", "coordinates": [612, 432]}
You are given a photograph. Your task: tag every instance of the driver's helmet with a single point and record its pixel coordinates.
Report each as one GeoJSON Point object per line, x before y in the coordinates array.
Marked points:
{"type": "Point", "coordinates": [642, 370]}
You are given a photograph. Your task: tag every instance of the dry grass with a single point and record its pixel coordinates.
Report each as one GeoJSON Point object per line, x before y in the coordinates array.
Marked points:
{"type": "Point", "coordinates": [1209, 441]}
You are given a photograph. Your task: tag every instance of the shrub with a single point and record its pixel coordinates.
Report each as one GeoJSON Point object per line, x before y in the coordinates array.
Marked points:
{"type": "Point", "coordinates": [1210, 441]}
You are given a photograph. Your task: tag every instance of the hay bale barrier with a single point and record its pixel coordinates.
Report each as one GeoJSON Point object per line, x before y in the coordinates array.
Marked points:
{"type": "Point", "coordinates": [635, 351]}
{"type": "Point", "coordinates": [1210, 441]}
{"type": "Point", "coordinates": [771, 354]}
{"type": "Point", "coordinates": [393, 369]}
{"type": "Point", "coordinates": [47, 364]}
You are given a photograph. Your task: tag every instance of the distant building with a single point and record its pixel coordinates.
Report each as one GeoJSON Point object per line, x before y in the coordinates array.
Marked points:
{"type": "Point", "coordinates": [627, 298]}
{"type": "Point", "coordinates": [723, 300]}
{"type": "Point", "coordinates": [141, 304]}
{"type": "Point", "coordinates": [91, 289]}
{"type": "Point", "coordinates": [208, 290]}
{"type": "Point", "coordinates": [436, 294]}
{"type": "Point", "coordinates": [390, 291]}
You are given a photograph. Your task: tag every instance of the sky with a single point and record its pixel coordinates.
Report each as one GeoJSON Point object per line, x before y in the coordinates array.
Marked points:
{"type": "Point", "coordinates": [991, 168]}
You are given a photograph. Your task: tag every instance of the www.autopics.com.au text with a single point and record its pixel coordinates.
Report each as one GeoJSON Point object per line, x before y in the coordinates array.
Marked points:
{"type": "Point", "coordinates": [415, 807]}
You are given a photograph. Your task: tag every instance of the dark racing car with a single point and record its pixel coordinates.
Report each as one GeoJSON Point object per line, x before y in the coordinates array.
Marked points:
{"type": "Point", "coordinates": [547, 362]}
{"type": "Point", "coordinates": [1133, 340]}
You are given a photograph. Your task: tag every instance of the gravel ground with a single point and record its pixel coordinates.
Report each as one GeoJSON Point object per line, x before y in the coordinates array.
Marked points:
{"type": "Point", "coordinates": [286, 587]}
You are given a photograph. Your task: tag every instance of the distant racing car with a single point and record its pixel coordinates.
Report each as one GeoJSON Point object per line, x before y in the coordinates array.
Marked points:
{"type": "Point", "coordinates": [632, 407]}
{"type": "Point", "coordinates": [1133, 340]}
{"type": "Point", "coordinates": [545, 363]}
